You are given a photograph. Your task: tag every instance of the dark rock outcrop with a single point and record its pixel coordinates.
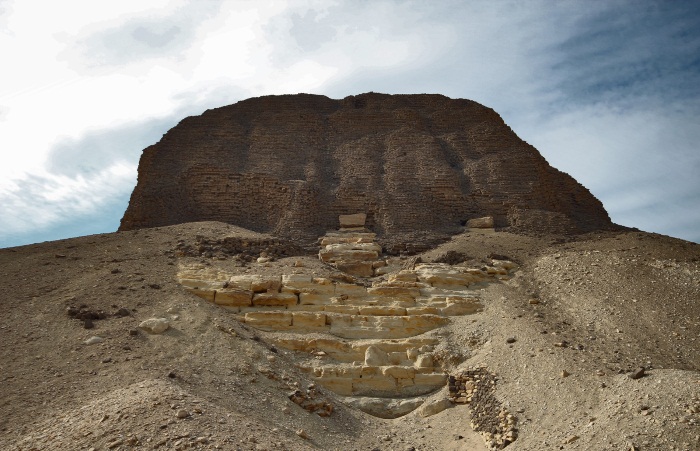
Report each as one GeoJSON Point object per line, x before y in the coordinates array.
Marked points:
{"type": "Point", "coordinates": [420, 166]}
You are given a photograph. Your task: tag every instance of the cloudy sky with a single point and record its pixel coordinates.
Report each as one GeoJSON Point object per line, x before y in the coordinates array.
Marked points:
{"type": "Point", "coordinates": [608, 91]}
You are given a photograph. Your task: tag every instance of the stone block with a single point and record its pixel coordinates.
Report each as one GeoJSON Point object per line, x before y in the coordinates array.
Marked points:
{"type": "Point", "coordinates": [434, 380]}
{"type": "Point", "coordinates": [308, 320]}
{"type": "Point", "coordinates": [399, 372]}
{"type": "Point", "coordinates": [339, 385]}
{"type": "Point", "coordinates": [355, 268]}
{"type": "Point", "coordinates": [233, 297]}
{"type": "Point", "coordinates": [481, 223]}
{"type": "Point", "coordinates": [374, 356]}
{"type": "Point", "coordinates": [274, 299]}
{"type": "Point", "coordinates": [315, 298]}
{"type": "Point", "coordinates": [379, 310]}
{"type": "Point", "coordinates": [208, 295]}
{"type": "Point", "coordinates": [394, 292]}
{"type": "Point", "coordinates": [350, 290]}
{"type": "Point", "coordinates": [352, 220]}
{"type": "Point", "coordinates": [345, 309]}
{"type": "Point", "coordinates": [422, 311]}
{"type": "Point", "coordinates": [434, 407]}
{"type": "Point", "coordinates": [461, 306]}
{"type": "Point", "coordinates": [269, 320]}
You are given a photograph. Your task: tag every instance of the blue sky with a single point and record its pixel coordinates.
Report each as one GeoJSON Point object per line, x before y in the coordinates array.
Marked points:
{"type": "Point", "coordinates": [608, 92]}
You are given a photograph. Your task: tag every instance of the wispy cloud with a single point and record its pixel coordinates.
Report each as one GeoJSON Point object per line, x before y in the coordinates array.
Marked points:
{"type": "Point", "coordinates": [608, 91]}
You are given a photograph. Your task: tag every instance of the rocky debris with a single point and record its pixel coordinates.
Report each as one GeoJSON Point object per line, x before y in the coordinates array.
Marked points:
{"type": "Point", "coordinates": [86, 314]}
{"type": "Point", "coordinates": [451, 258]}
{"type": "Point", "coordinates": [296, 183]}
{"type": "Point", "coordinates": [638, 373]}
{"type": "Point", "coordinates": [245, 250]}
{"type": "Point", "coordinates": [312, 400]}
{"type": "Point", "coordinates": [476, 387]}
{"type": "Point", "coordinates": [155, 326]}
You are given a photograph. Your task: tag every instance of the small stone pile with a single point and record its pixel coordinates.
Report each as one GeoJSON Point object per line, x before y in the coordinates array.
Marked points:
{"type": "Point", "coordinates": [476, 387]}
{"type": "Point", "coordinates": [307, 399]}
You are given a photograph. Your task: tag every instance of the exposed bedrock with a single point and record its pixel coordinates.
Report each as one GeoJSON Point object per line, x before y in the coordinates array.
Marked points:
{"type": "Point", "coordinates": [419, 166]}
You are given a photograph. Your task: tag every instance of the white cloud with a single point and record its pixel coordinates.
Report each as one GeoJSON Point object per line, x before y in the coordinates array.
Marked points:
{"type": "Point", "coordinates": [605, 91]}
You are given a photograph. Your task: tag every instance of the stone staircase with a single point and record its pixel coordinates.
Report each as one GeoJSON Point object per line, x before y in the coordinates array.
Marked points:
{"type": "Point", "coordinates": [365, 342]}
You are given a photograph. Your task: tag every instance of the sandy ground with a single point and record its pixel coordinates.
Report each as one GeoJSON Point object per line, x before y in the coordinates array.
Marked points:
{"type": "Point", "coordinates": [596, 307]}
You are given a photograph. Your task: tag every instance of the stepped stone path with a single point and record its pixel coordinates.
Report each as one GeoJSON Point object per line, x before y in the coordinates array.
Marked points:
{"type": "Point", "coordinates": [365, 342]}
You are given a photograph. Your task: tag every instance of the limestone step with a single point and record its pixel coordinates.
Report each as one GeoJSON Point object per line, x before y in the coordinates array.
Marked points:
{"type": "Point", "coordinates": [343, 351]}
{"type": "Point", "coordinates": [378, 381]}
{"type": "Point", "coordinates": [344, 325]}
{"type": "Point", "coordinates": [387, 408]}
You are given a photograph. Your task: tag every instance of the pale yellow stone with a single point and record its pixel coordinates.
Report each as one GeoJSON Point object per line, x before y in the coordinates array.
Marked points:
{"type": "Point", "coordinates": [201, 284]}
{"type": "Point", "coordinates": [356, 268]}
{"type": "Point", "coordinates": [315, 299]}
{"type": "Point", "coordinates": [308, 320]}
{"type": "Point", "coordinates": [382, 310]}
{"type": "Point", "coordinates": [208, 295]}
{"type": "Point", "coordinates": [352, 220]}
{"type": "Point", "coordinates": [346, 309]}
{"type": "Point", "coordinates": [274, 299]}
{"type": "Point", "coordinates": [399, 372]}
{"type": "Point", "coordinates": [233, 297]}
{"type": "Point", "coordinates": [269, 320]}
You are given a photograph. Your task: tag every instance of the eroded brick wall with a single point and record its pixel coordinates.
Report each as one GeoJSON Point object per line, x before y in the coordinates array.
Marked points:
{"type": "Point", "coordinates": [418, 165]}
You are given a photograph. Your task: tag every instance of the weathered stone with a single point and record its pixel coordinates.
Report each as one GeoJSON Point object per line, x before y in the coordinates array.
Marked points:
{"type": "Point", "coordinates": [434, 407]}
{"type": "Point", "coordinates": [359, 269]}
{"type": "Point", "coordinates": [274, 299]}
{"type": "Point", "coordinates": [481, 223]}
{"type": "Point", "coordinates": [353, 220]}
{"type": "Point", "coordinates": [155, 325]}
{"type": "Point", "coordinates": [233, 297]}
{"type": "Point", "coordinates": [308, 320]}
{"type": "Point", "coordinates": [375, 356]}
{"type": "Point", "coordinates": [269, 320]}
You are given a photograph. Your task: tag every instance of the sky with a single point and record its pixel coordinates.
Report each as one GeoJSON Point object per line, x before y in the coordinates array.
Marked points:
{"type": "Point", "coordinates": [607, 91]}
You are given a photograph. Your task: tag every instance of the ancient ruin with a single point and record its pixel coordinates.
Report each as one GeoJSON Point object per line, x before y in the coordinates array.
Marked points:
{"type": "Point", "coordinates": [418, 166]}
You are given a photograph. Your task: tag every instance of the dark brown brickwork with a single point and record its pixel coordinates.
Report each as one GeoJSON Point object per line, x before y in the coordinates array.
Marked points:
{"type": "Point", "coordinates": [418, 165]}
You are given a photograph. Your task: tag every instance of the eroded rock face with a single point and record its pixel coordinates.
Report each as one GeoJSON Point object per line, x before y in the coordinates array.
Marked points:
{"type": "Point", "coordinates": [418, 166]}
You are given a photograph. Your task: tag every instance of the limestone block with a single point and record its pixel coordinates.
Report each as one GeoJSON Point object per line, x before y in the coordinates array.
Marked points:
{"type": "Point", "coordinates": [374, 356]}
{"type": "Point", "coordinates": [380, 310]}
{"type": "Point", "coordinates": [352, 220]}
{"type": "Point", "coordinates": [269, 320]}
{"type": "Point", "coordinates": [434, 407]}
{"type": "Point", "coordinates": [346, 309]}
{"type": "Point", "coordinates": [442, 275]}
{"type": "Point", "coordinates": [374, 385]}
{"type": "Point", "coordinates": [201, 284]}
{"type": "Point", "coordinates": [355, 268]}
{"type": "Point", "coordinates": [306, 308]}
{"type": "Point", "coordinates": [403, 276]}
{"type": "Point", "coordinates": [350, 237]}
{"type": "Point", "coordinates": [255, 282]}
{"type": "Point", "coordinates": [233, 297]}
{"type": "Point", "coordinates": [350, 252]}
{"type": "Point", "coordinates": [481, 223]}
{"type": "Point", "coordinates": [274, 299]}
{"type": "Point", "coordinates": [339, 385]}
{"type": "Point", "coordinates": [308, 320]}
{"type": "Point", "coordinates": [155, 326]}
{"type": "Point", "coordinates": [505, 264]}
{"type": "Point", "coordinates": [399, 358]}
{"type": "Point", "coordinates": [461, 306]}
{"type": "Point", "coordinates": [423, 311]}
{"type": "Point", "coordinates": [208, 295]}
{"type": "Point", "coordinates": [399, 372]}
{"type": "Point", "coordinates": [394, 292]}
{"type": "Point", "coordinates": [315, 299]}
{"type": "Point", "coordinates": [295, 283]}
{"type": "Point", "coordinates": [424, 361]}
{"type": "Point", "coordinates": [350, 290]}
{"type": "Point", "coordinates": [360, 326]}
